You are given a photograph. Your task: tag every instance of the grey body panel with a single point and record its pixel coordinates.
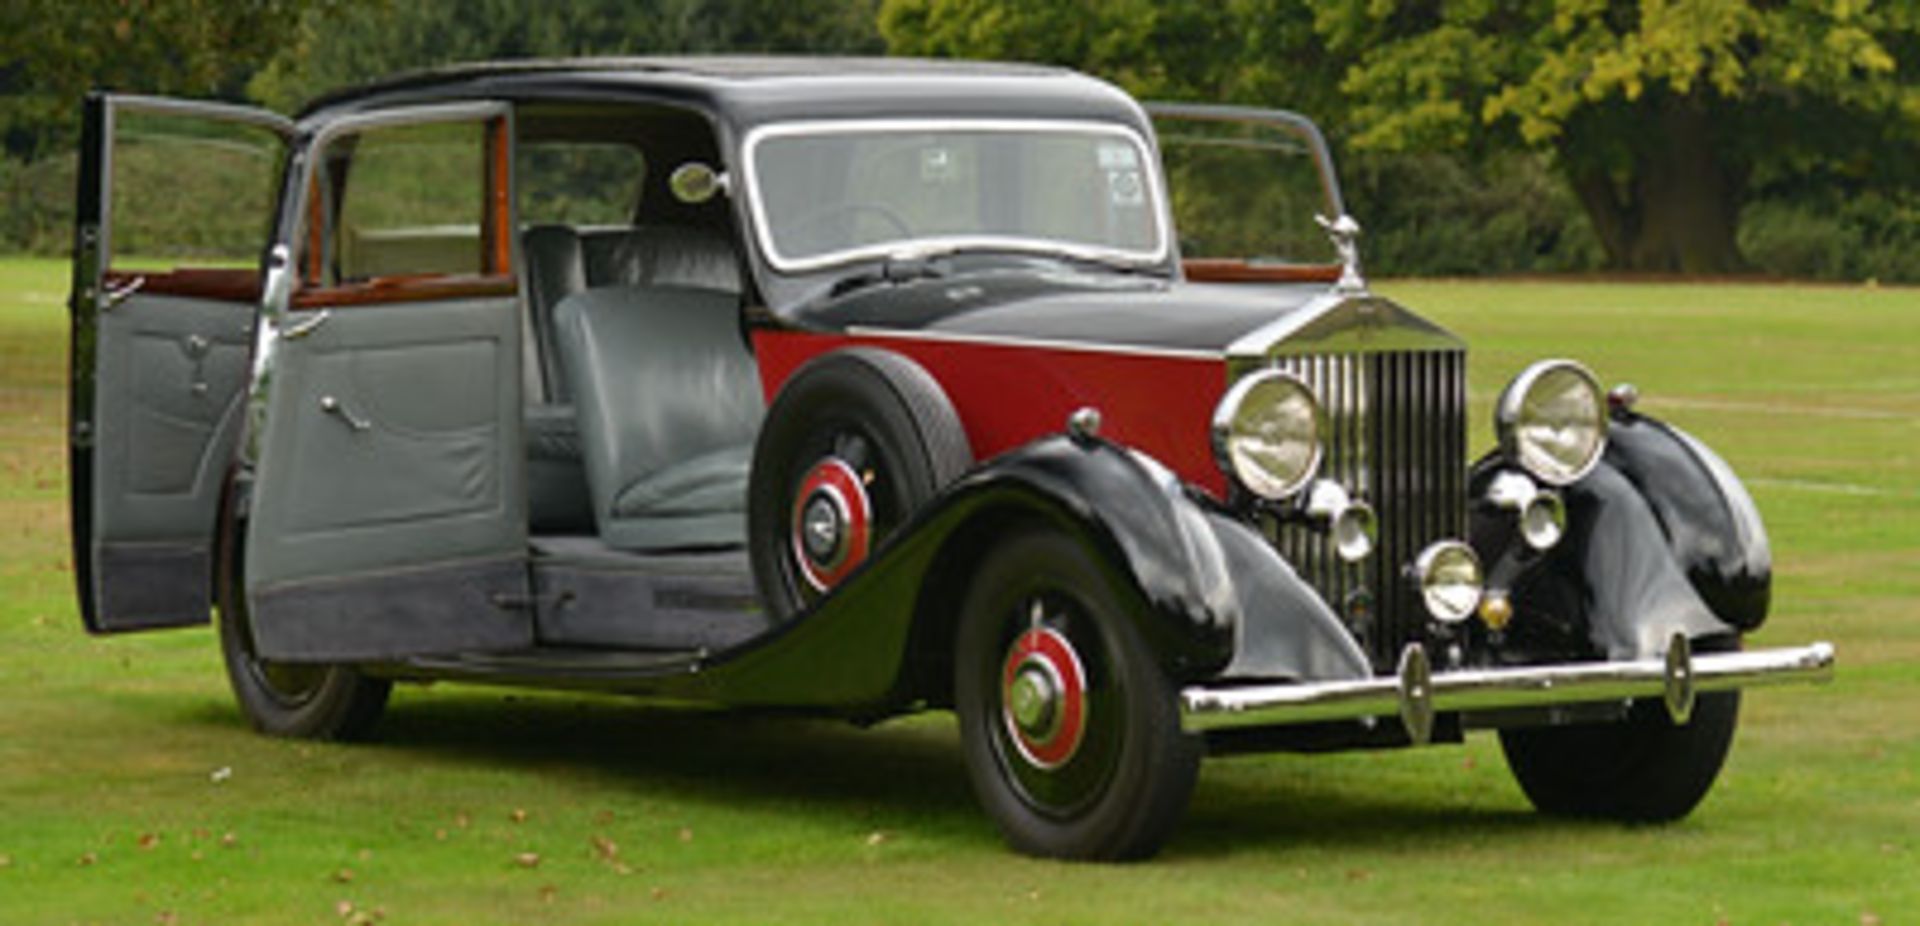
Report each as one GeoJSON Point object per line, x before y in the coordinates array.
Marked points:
{"type": "Point", "coordinates": [419, 475]}
{"type": "Point", "coordinates": [589, 594]}
{"type": "Point", "coordinates": [168, 381]}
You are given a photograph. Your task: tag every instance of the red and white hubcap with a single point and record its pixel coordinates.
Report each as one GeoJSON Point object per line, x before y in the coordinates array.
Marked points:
{"type": "Point", "coordinates": [832, 523]}
{"type": "Point", "coordinates": [1043, 697]}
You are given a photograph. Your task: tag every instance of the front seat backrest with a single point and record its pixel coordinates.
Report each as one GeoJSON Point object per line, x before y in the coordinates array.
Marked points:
{"type": "Point", "coordinates": [669, 402]}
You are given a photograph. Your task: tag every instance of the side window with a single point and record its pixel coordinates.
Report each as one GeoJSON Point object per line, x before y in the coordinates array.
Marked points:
{"type": "Point", "coordinates": [579, 183]}
{"type": "Point", "coordinates": [191, 199]}
{"type": "Point", "coordinates": [407, 204]}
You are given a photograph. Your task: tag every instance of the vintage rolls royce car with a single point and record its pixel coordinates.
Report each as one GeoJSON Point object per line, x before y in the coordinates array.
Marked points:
{"type": "Point", "coordinates": [863, 388]}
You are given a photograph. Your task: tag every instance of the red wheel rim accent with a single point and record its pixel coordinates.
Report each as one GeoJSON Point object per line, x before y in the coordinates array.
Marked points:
{"type": "Point", "coordinates": [1049, 651]}
{"type": "Point", "coordinates": [831, 480]}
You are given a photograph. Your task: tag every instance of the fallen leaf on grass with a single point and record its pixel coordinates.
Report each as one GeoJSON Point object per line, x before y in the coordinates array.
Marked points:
{"type": "Point", "coordinates": [518, 815]}
{"type": "Point", "coordinates": [606, 849]}
{"type": "Point", "coordinates": [220, 775]}
{"type": "Point", "coordinates": [167, 918]}
{"type": "Point", "coordinates": [658, 893]}
{"type": "Point", "coordinates": [343, 876]}
{"type": "Point", "coordinates": [344, 908]}
{"type": "Point", "coordinates": [876, 838]}
{"type": "Point", "coordinates": [148, 841]}
{"type": "Point", "coordinates": [87, 858]}
{"type": "Point", "coordinates": [229, 840]}
{"type": "Point", "coordinates": [1869, 918]}
{"type": "Point", "coordinates": [527, 860]}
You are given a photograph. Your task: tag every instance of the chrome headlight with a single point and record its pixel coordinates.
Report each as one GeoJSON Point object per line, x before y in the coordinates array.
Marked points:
{"type": "Point", "coordinates": [1266, 434]}
{"type": "Point", "coordinates": [1552, 421]}
{"type": "Point", "coordinates": [1450, 580]}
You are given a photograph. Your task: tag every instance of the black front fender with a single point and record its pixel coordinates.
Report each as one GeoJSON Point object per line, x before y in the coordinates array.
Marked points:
{"type": "Point", "coordinates": [1710, 522]}
{"type": "Point", "coordinates": [1661, 538]}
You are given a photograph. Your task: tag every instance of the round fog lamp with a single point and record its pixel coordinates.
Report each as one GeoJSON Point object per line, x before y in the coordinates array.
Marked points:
{"type": "Point", "coordinates": [1450, 580]}
{"type": "Point", "coordinates": [1353, 531]}
{"type": "Point", "coordinates": [1552, 421]}
{"type": "Point", "coordinates": [1543, 521]}
{"type": "Point", "coordinates": [1266, 434]}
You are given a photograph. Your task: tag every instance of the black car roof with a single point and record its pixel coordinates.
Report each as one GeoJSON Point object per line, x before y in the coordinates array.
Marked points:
{"type": "Point", "coordinates": [749, 90]}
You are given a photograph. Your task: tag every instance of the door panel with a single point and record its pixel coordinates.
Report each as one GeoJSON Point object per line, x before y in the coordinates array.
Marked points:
{"type": "Point", "coordinates": [388, 514]}
{"type": "Point", "coordinates": [165, 289]}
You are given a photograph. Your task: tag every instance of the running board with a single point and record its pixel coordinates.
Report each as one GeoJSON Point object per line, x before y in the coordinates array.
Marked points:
{"type": "Point", "coordinates": [1416, 693]}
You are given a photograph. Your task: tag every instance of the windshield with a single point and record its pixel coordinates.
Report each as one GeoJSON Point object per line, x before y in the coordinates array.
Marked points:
{"type": "Point", "coordinates": [827, 193]}
{"type": "Point", "coordinates": [1247, 185]}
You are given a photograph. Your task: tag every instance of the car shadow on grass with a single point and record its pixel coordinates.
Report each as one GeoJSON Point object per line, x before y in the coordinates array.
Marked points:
{"type": "Point", "coordinates": [913, 769]}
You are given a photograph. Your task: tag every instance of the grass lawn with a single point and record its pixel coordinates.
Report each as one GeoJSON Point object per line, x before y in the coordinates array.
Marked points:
{"type": "Point", "coordinates": [132, 792]}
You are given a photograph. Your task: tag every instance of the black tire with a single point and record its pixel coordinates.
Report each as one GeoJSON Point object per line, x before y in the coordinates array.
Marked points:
{"type": "Point", "coordinates": [323, 701]}
{"type": "Point", "coordinates": [1644, 769]}
{"type": "Point", "coordinates": [1118, 788]}
{"type": "Point", "coordinates": [883, 417]}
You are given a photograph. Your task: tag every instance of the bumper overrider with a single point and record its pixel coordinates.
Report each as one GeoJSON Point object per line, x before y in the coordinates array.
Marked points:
{"type": "Point", "coordinates": [1416, 693]}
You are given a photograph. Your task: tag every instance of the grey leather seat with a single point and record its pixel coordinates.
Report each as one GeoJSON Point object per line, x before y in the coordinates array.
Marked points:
{"type": "Point", "coordinates": [562, 262]}
{"type": "Point", "coordinates": [668, 402]}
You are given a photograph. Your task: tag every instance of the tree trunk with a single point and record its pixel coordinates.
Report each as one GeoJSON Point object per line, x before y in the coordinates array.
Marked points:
{"type": "Point", "coordinates": [1676, 206]}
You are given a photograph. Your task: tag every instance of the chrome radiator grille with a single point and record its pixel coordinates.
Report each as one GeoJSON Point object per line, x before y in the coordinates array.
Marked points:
{"type": "Point", "coordinates": [1396, 436]}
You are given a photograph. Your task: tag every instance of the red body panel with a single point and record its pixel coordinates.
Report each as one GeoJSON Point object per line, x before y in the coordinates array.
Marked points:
{"type": "Point", "coordinates": [1009, 394]}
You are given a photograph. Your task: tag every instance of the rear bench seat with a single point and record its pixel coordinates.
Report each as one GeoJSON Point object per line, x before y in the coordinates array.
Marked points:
{"type": "Point", "coordinates": [562, 263]}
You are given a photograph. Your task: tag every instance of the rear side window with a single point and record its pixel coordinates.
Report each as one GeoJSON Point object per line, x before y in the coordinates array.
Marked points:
{"type": "Point", "coordinates": [579, 183]}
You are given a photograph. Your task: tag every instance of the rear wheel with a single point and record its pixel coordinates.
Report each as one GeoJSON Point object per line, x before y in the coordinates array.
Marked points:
{"type": "Point", "coordinates": [1644, 769]}
{"type": "Point", "coordinates": [1070, 729]}
{"type": "Point", "coordinates": [309, 700]}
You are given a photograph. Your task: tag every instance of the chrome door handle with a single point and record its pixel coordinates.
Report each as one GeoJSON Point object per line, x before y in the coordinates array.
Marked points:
{"type": "Point", "coordinates": [307, 327]}
{"type": "Point", "coordinates": [114, 296]}
{"type": "Point", "coordinates": [332, 406]}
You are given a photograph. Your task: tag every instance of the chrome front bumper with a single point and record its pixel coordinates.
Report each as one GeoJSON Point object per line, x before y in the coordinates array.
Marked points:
{"type": "Point", "coordinates": [1416, 693]}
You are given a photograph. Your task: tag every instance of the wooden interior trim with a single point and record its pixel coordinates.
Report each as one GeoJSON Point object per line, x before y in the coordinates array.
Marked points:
{"type": "Point", "coordinates": [414, 288]}
{"type": "Point", "coordinates": [499, 221]}
{"type": "Point", "coordinates": [316, 230]}
{"type": "Point", "coordinates": [1234, 270]}
{"type": "Point", "coordinates": [221, 284]}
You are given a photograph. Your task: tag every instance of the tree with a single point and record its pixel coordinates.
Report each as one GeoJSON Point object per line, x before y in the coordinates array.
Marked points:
{"type": "Point", "coordinates": [1663, 116]}
{"type": "Point", "coordinates": [343, 44]}
{"type": "Point", "coordinates": [52, 51]}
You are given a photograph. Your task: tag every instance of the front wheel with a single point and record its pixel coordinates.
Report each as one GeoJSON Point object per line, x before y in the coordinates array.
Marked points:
{"type": "Point", "coordinates": [309, 700]}
{"type": "Point", "coordinates": [1071, 731]}
{"type": "Point", "coordinates": [1644, 769]}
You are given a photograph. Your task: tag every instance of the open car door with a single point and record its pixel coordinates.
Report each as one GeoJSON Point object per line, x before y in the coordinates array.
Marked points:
{"type": "Point", "coordinates": [388, 508]}
{"type": "Point", "coordinates": [1248, 189]}
{"type": "Point", "coordinates": [174, 203]}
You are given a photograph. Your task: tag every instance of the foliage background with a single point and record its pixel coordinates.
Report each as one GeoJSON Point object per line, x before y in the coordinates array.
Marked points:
{"type": "Point", "coordinates": [1483, 137]}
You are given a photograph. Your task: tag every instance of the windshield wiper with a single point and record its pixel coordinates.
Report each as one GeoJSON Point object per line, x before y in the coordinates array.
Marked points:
{"type": "Point", "coordinates": [893, 271]}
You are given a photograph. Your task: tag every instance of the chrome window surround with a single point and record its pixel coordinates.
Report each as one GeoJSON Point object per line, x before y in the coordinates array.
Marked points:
{"type": "Point", "coordinates": [763, 233]}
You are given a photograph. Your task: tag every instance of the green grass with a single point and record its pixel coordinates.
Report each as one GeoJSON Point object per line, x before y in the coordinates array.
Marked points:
{"type": "Point", "coordinates": [124, 766]}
